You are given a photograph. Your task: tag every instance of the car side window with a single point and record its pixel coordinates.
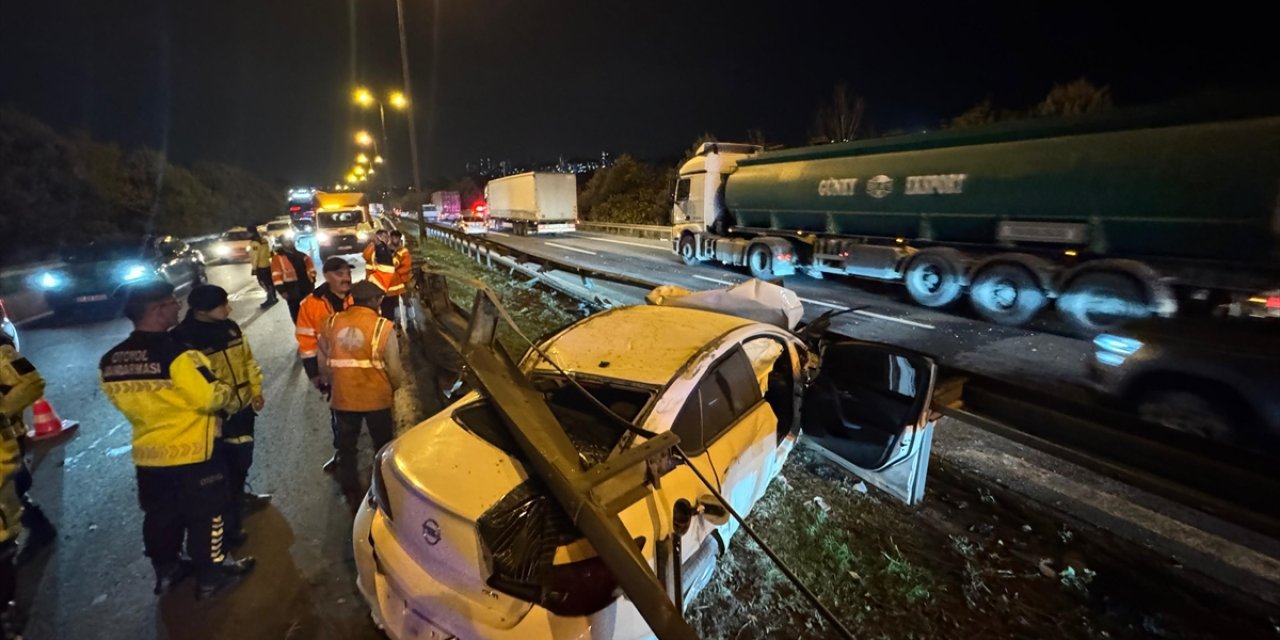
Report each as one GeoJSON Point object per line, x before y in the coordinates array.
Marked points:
{"type": "Point", "coordinates": [725, 393]}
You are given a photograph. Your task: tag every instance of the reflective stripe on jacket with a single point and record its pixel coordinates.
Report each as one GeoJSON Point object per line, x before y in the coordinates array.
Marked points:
{"type": "Point", "coordinates": [230, 358]}
{"type": "Point", "coordinates": [169, 394]}
{"type": "Point", "coordinates": [283, 271]}
{"type": "Point", "coordinates": [353, 355]}
{"type": "Point", "coordinates": [380, 267]}
{"type": "Point", "coordinates": [404, 272]}
{"type": "Point", "coordinates": [312, 314]}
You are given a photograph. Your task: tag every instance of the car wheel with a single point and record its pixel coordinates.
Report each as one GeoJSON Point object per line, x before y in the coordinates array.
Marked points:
{"type": "Point", "coordinates": [1206, 415]}
{"type": "Point", "coordinates": [688, 251]}
{"type": "Point", "coordinates": [1007, 294]}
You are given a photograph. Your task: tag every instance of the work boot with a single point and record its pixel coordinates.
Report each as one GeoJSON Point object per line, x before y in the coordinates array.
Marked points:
{"type": "Point", "coordinates": [221, 576]}
{"type": "Point", "coordinates": [252, 502]}
{"type": "Point", "coordinates": [169, 574]}
{"type": "Point", "coordinates": [331, 465]}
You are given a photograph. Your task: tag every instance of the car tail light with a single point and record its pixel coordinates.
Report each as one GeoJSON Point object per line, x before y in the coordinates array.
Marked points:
{"type": "Point", "coordinates": [1273, 302]}
{"type": "Point", "coordinates": [378, 487]}
{"type": "Point", "coordinates": [581, 588]}
{"type": "Point", "coordinates": [295, 209]}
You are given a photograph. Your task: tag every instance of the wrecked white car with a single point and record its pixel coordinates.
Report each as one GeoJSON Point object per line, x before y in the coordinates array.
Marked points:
{"type": "Point", "coordinates": [460, 538]}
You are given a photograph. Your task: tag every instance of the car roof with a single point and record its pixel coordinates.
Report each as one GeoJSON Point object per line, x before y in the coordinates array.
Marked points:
{"type": "Point", "coordinates": [646, 344]}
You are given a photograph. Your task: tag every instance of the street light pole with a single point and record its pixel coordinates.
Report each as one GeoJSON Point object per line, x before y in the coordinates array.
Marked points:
{"type": "Point", "coordinates": [413, 131]}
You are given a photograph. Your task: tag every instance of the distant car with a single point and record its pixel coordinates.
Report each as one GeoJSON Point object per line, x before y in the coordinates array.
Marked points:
{"type": "Point", "coordinates": [91, 274]}
{"type": "Point", "coordinates": [1212, 377]}
{"type": "Point", "coordinates": [342, 231]}
{"type": "Point", "coordinates": [277, 229]}
{"type": "Point", "coordinates": [455, 539]}
{"type": "Point", "coordinates": [8, 327]}
{"type": "Point", "coordinates": [232, 246]}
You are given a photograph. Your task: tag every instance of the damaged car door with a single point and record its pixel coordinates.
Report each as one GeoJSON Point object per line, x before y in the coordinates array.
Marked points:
{"type": "Point", "coordinates": [869, 405]}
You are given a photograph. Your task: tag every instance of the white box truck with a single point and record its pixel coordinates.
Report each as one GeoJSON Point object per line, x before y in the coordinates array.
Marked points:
{"type": "Point", "coordinates": [529, 203]}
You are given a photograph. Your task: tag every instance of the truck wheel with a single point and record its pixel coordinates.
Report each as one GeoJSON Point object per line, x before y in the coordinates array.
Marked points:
{"type": "Point", "coordinates": [1006, 294]}
{"type": "Point", "coordinates": [688, 250]}
{"type": "Point", "coordinates": [933, 279]}
{"type": "Point", "coordinates": [760, 262]}
{"type": "Point", "coordinates": [1095, 301]}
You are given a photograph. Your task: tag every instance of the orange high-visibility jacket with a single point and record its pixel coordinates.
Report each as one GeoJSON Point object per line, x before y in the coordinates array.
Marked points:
{"type": "Point", "coordinates": [360, 358]}
{"type": "Point", "coordinates": [312, 314]}
{"type": "Point", "coordinates": [383, 275]}
{"type": "Point", "coordinates": [404, 271]}
{"type": "Point", "coordinates": [282, 270]}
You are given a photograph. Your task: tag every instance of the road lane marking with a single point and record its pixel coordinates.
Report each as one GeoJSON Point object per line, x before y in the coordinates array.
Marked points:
{"type": "Point", "coordinates": [633, 244]}
{"type": "Point", "coordinates": [497, 233]}
{"type": "Point", "coordinates": [824, 304]}
{"type": "Point", "coordinates": [569, 248]}
{"type": "Point", "coordinates": [724, 282]}
{"type": "Point", "coordinates": [910, 323]}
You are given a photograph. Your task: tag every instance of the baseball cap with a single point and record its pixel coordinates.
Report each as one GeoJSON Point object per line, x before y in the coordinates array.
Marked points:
{"type": "Point", "coordinates": [207, 297]}
{"type": "Point", "coordinates": [334, 263]}
{"type": "Point", "coordinates": [365, 291]}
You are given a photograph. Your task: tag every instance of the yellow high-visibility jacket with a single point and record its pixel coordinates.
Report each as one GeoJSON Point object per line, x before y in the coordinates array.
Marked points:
{"type": "Point", "coordinates": [169, 394]}
{"type": "Point", "coordinates": [230, 358]}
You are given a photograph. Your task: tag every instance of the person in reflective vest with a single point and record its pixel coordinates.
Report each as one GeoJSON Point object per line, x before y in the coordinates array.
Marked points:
{"type": "Point", "coordinates": [175, 404]}
{"type": "Point", "coordinates": [209, 330]}
{"type": "Point", "coordinates": [360, 359]}
{"type": "Point", "coordinates": [404, 268]}
{"type": "Point", "coordinates": [20, 386]}
{"type": "Point", "coordinates": [260, 258]}
{"type": "Point", "coordinates": [380, 268]}
{"type": "Point", "coordinates": [328, 299]}
{"type": "Point", "coordinates": [293, 274]}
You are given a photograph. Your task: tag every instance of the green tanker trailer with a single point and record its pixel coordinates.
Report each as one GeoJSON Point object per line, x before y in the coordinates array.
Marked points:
{"type": "Point", "coordinates": [1101, 218]}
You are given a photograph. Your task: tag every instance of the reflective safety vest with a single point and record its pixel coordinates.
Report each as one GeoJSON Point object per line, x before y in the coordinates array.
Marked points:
{"type": "Point", "coordinates": [404, 270]}
{"type": "Point", "coordinates": [230, 358]}
{"type": "Point", "coordinates": [260, 250]}
{"type": "Point", "coordinates": [352, 345]}
{"type": "Point", "coordinates": [283, 271]}
{"type": "Point", "coordinates": [169, 394]}
{"type": "Point", "coordinates": [312, 314]}
{"type": "Point", "coordinates": [20, 386]}
{"type": "Point", "coordinates": [383, 270]}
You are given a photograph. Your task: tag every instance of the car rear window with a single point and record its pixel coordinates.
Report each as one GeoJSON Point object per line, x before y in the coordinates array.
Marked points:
{"type": "Point", "coordinates": [593, 434]}
{"type": "Point", "coordinates": [237, 235]}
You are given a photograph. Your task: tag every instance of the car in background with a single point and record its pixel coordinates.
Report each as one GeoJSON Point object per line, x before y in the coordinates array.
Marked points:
{"type": "Point", "coordinates": [91, 274]}
{"type": "Point", "coordinates": [1213, 377]}
{"type": "Point", "coordinates": [475, 220]}
{"type": "Point", "coordinates": [232, 246]}
{"type": "Point", "coordinates": [8, 327]}
{"type": "Point", "coordinates": [277, 229]}
{"type": "Point", "coordinates": [457, 538]}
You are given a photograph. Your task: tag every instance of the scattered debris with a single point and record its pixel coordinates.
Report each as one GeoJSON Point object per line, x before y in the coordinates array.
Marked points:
{"type": "Point", "coordinates": [1066, 535]}
{"type": "Point", "coordinates": [861, 487]}
{"type": "Point", "coordinates": [822, 504]}
{"type": "Point", "coordinates": [986, 496]}
{"type": "Point", "coordinates": [1077, 580]}
{"type": "Point", "coordinates": [1026, 528]}
{"type": "Point", "coordinates": [1046, 568]}
{"type": "Point", "coordinates": [100, 599]}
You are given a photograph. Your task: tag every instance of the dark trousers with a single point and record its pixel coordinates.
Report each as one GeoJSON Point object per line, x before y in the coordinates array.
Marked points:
{"type": "Point", "coordinates": [235, 449]}
{"type": "Point", "coordinates": [346, 433]}
{"type": "Point", "coordinates": [389, 306]}
{"type": "Point", "coordinates": [187, 500]}
{"type": "Point", "coordinates": [264, 279]}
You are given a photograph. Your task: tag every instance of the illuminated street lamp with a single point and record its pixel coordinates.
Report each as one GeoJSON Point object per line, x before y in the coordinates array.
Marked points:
{"type": "Point", "coordinates": [351, 178]}
{"type": "Point", "coordinates": [358, 170]}
{"type": "Point", "coordinates": [377, 159]}
{"type": "Point", "coordinates": [362, 159]}
{"type": "Point", "coordinates": [362, 97]}
{"type": "Point", "coordinates": [398, 101]}
{"type": "Point", "coordinates": [363, 138]}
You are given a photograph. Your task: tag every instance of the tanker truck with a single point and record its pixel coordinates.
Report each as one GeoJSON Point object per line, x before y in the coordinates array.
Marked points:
{"type": "Point", "coordinates": [1105, 218]}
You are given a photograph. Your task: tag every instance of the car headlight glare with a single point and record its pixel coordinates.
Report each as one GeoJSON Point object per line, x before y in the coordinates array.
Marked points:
{"type": "Point", "coordinates": [222, 250]}
{"type": "Point", "coordinates": [51, 280]}
{"type": "Point", "coordinates": [133, 272]}
{"type": "Point", "coordinates": [322, 237]}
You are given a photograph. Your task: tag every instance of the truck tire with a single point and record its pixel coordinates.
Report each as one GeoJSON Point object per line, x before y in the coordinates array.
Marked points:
{"type": "Point", "coordinates": [1007, 294]}
{"type": "Point", "coordinates": [934, 278]}
{"type": "Point", "coordinates": [760, 261]}
{"type": "Point", "coordinates": [1096, 301]}
{"type": "Point", "coordinates": [688, 250]}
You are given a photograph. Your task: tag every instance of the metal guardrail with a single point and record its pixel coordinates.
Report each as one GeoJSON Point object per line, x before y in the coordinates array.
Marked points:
{"type": "Point", "coordinates": [1234, 485]}
{"type": "Point", "coordinates": [660, 232]}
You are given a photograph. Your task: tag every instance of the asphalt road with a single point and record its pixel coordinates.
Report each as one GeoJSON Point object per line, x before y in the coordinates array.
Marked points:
{"type": "Point", "coordinates": [1040, 354]}
{"type": "Point", "coordinates": [96, 583]}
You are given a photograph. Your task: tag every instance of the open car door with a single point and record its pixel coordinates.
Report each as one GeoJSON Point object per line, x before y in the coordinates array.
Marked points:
{"type": "Point", "coordinates": [869, 404]}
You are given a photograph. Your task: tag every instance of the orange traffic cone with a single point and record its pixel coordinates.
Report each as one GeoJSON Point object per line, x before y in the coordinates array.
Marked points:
{"type": "Point", "coordinates": [48, 424]}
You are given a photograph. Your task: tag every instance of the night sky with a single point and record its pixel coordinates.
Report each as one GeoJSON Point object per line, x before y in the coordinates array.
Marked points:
{"type": "Point", "coordinates": [266, 84]}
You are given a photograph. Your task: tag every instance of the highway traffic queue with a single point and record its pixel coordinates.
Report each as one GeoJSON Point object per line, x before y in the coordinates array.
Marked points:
{"type": "Point", "coordinates": [191, 390]}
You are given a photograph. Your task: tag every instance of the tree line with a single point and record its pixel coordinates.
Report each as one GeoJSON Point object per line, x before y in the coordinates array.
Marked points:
{"type": "Point", "coordinates": [58, 191]}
